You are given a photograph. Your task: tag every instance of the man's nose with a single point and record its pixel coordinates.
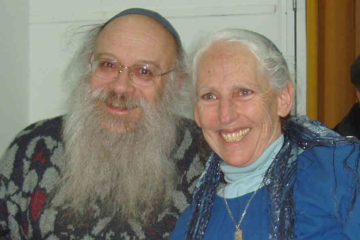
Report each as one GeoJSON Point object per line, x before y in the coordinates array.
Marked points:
{"type": "Point", "coordinates": [122, 83]}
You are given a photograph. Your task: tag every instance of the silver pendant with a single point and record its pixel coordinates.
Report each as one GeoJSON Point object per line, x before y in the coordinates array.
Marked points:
{"type": "Point", "coordinates": [238, 234]}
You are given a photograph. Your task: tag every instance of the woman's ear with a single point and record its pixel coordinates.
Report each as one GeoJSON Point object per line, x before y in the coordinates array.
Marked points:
{"type": "Point", "coordinates": [196, 116]}
{"type": "Point", "coordinates": [285, 99]}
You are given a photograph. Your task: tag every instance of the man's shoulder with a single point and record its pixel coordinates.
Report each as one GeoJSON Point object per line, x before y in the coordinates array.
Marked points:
{"type": "Point", "coordinates": [190, 154]}
{"type": "Point", "coordinates": [29, 171]}
{"type": "Point", "coordinates": [191, 148]}
{"type": "Point", "coordinates": [51, 127]}
{"type": "Point", "coordinates": [40, 140]}
{"type": "Point", "coordinates": [190, 136]}
{"type": "Point", "coordinates": [189, 124]}
{"type": "Point", "coordinates": [45, 125]}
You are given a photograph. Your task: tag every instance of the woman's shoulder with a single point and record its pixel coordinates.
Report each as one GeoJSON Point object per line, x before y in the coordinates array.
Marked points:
{"type": "Point", "coordinates": [328, 172]}
{"type": "Point", "coordinates": [329, 156]}
{"type": "Point", "coordinates": [325, 189]}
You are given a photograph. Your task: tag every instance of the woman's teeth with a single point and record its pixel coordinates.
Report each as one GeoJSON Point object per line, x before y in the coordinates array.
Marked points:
{"type": "Point", "coordinates": [235, 136]}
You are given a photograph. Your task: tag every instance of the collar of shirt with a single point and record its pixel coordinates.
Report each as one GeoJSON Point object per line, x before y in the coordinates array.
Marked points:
{"type": "Point", "coordinates": [243, 180]}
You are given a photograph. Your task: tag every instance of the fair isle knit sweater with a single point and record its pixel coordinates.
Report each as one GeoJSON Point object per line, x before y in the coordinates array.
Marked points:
{"type": "Point", "coordinates": [30, 168]}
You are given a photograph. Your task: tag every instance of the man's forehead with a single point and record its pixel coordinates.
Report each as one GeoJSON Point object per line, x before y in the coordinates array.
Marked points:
{"type": "Point", "coordinates": [153, 15]}
{"type": "Point", "coordinates": [133, 20]}
{"type": "Point", "coordinates": [137, 37]}
{"type": "Point", "coordinates": [139, 27]}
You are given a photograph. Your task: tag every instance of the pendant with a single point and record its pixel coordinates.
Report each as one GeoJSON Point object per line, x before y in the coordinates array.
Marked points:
{"type": "Point", "coordinates": [238, 234]}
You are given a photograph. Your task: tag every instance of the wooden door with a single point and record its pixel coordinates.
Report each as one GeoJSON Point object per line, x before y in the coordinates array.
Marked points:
{"type": "Point", "coordinates": [333, 44]}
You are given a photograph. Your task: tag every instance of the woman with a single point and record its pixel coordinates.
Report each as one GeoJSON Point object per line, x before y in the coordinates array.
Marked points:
{"type": "Point", "coordinates": [270, 176]}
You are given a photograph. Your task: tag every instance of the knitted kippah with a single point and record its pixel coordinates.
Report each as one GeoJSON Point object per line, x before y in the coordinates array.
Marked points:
{"type": "Point", "coordinates": [154, 15]}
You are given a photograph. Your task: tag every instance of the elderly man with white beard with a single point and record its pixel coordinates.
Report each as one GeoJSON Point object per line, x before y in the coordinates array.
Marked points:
{"type": "Point", "coordinates": [121, 164]}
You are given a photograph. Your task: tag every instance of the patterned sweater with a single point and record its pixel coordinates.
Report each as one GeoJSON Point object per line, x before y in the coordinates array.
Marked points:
{"type": "Point", "coordinates": [31, 166]}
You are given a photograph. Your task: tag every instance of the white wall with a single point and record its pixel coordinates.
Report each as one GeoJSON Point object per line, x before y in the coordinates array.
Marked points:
{"type": "Point", "coordinates": [14, 68]}
{"type": "Point", "coordinates": [53, 38]}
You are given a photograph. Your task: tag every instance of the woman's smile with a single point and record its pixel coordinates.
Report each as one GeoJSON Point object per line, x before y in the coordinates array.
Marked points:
{"type": "Point", "coordinates": [235, 136]}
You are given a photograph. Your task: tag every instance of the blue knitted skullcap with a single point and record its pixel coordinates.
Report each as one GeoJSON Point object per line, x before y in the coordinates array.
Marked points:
{"type": "Point", "coordinates": [154, 15]}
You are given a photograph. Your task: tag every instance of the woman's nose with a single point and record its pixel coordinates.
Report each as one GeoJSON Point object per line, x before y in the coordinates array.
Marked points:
{"type": "Point", "coordinates": [227, 113]}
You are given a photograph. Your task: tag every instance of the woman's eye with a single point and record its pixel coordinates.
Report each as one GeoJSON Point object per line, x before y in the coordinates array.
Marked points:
{"type": "Point", "coordinates": [208, 96]}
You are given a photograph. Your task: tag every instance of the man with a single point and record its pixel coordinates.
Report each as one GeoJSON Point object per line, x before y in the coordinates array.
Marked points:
{"type": "Point", "coordinates": [120, 164]}
{"type": "Point", "coordinates": [350, 125]}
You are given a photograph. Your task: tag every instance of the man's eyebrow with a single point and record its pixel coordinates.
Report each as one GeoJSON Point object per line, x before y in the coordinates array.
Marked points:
{"type": "Point", "coordinates": [112, 56]}
{"type": "Point", "coordinates": [104, 54]}
{"type": "Point", "coordinates": [150, 62]}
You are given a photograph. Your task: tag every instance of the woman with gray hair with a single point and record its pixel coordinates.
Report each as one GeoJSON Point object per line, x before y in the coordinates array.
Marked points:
{"type": "Point", "coordinates": [270, 176]}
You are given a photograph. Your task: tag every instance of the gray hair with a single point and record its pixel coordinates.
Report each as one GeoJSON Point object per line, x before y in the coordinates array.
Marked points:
{"type": "Point", "coordinates": [272, 64]}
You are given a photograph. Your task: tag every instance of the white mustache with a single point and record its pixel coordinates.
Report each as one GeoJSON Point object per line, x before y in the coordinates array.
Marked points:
{"type": "Point", "coordinates": [116, 100]}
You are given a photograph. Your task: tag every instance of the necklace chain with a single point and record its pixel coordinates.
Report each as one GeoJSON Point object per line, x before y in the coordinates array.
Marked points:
{"type": "Point", "coordinates": [238, 231]}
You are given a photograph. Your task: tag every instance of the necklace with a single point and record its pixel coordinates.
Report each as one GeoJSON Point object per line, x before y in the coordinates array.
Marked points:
{"type": "Point", "coordinates": [238, 231]}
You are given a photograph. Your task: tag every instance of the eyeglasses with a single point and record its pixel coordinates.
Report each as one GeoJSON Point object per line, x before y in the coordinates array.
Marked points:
{"type": "Point", "coordinates": [144, 74]}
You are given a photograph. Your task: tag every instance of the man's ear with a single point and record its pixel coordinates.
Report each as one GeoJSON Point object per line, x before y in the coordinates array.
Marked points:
{"type": "Point", "coordinates": [285, 99]}
{"type": "Point", "coordinates": [179, 80]}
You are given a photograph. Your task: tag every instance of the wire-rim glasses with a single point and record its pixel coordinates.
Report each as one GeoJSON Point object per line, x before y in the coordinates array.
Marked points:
{"type": "Point", "coordinates": [142, 74]}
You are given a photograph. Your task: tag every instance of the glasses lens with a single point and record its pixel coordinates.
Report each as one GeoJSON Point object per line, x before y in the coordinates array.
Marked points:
{"type": "Point", "coordinates": [105, 68]}
{"type": "Point", "coordinates": [141, 74]}
{"type": "Point", "coordinates": [145, 74]}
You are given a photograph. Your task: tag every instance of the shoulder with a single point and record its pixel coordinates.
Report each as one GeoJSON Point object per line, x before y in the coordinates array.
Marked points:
{"type": "Point", "coordinates": [190, 141]}
{"type": "Point", "coordinates": [326, 189]}
{"type": "Point", "coordinates": [190, 155]}
{"type": "Point", "coordinates": [37, 144]}
{"type": "Point", "coordinates": [29, 170]}
{"type": "Point", "coordinates": [48, 127]}
{"type": "Point", "coordinates": [330, 164]}
{"type": "Point", "coordinates": [336, 155]}
{"type": "Point", "coordinates": [186, 124]}
{"type": "Point", "coordinates": [329, 171]}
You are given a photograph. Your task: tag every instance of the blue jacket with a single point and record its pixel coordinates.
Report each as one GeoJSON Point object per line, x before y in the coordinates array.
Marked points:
{"type": "Point", "coordinates": [323, 192]}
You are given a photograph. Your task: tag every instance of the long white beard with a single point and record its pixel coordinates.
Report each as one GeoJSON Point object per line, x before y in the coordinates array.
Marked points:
{"type": "Point", "coordinates": [130, 174]}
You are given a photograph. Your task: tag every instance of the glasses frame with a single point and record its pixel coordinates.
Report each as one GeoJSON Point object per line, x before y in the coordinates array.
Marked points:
{"type": "Point", "coordinates": [94, 63]}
